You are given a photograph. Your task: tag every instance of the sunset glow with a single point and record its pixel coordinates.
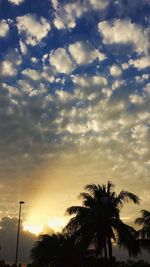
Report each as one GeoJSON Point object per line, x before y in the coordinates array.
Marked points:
{"type": "Point", "coordinates": [34, 228]}
{"type": "Point", "coordinates": [57, 223]}
{"type": "Point", "coordinates": [38, 227]}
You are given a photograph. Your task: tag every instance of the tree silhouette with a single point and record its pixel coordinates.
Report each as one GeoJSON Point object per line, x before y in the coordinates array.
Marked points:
{"type": "Point", "coordinates": [46, 250]}
{"type": "Point", "coordinates": [97, 223]}
{"type": "Point", "coordinates": [56, 251]}
{"type": "Point", "coordinates": [144, 221]}
{"type": "Point", "coordinates": [143, 234]}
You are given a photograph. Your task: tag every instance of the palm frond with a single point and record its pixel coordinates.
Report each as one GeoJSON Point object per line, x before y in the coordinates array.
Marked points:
{"type": "Point", "coordinates": [72, 226]}
{"type": "Point", "coordinates": [91, 188]}
{"type": "Point", "coordinates": [125, 197]}
{"type": "Point", "coordinates": [75, 210]}
{"type": "Point", "coordinates": [87, 199]}
{"type": "Point", "coordinates": [145, 214]}
{"type": "Point", "coordinates": [145, 219]}
{"type": "Point", "coordinates": [139, 221]}
{"type": "Point", "coordinates": [144, 232]}
{"type": "Point", "coordinates": [110, 186]}
{"type": "Point", "coordinates": [124, 233]}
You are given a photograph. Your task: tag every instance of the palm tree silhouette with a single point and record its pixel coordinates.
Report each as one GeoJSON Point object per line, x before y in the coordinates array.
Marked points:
{"type": "Point", "coordinates": [46, 250]}
{"type": "Point", "coordinates": [144, 221]}
{"type": "Point", "coordinates": [57, 250]}
{"type": "Point", "coordinates": [143, 235]}
{"type": "Point", "coordinates": [97, 223]}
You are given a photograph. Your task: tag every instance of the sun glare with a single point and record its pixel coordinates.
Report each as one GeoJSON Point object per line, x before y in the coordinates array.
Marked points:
{"type": "Point", "coordinates": [36, 227]}
{"type": "Point", "coordinates": [57, 223]}
{"type": "Point", "coordinates": [33, 228]}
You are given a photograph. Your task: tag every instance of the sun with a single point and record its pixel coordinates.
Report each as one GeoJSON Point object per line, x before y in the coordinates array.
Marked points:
{"type": "Point", "coordinates": [37, 226]}
{"type": "Point", "coordinates": [57, 223]}
{"type": "Point", "coordinates": [33, 228]}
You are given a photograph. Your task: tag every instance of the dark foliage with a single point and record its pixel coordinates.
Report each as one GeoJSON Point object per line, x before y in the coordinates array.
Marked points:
{"type": "Point", "coordinates": [97, 223]}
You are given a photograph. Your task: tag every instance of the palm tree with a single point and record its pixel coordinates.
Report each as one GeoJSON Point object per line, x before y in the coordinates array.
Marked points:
{"type": "Point", "coordinates": [57, 250]}
{"type": "Point", "coordinates": [97, 223]}
{"type": "Point", "coordinates": [46, 250]}
{"type": "Point", "coordinates": [144, 233]}
{"type": "Point", "coordinates": [144, 221]}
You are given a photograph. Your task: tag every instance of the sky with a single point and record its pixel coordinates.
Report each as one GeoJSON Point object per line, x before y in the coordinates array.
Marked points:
{"type": "Point", "coordinates": [74, 105]}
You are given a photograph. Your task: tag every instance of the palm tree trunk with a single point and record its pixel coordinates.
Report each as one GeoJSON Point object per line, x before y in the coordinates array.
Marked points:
{"type": "Point", "coordinates": [110, 251]}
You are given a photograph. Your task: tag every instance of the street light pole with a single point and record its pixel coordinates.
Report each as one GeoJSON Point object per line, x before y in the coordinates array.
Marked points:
{"type": "Point", "coordinates": [18, 232]}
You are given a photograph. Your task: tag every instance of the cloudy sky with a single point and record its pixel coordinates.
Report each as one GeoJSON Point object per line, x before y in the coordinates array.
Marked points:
{"type": "Point", "coordinates": [74, 104]}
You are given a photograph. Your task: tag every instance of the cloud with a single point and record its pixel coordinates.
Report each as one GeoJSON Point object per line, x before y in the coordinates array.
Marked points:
{"type": "Point", "coordinates": [81, 52]}
{"type": "Point", "coordinates": [115, 70]}
{"type": "Point", "coordinates": [4, 28]}
{"type": "Point", "coordinates": [67, 14]}
{"type": "Point", "coordinates": [16, 2]}
{"type": "Point", "coordinates": [33, 74]}
{"type": "Point", "coordinates": [99, 4]}
{"type": "Point", "coordinates": [117, 83]}
{"type": "Point", "coordinates": [54, 3]}
{"type": "Point", "coordinates": [88, 130]}
{"type": "Point", "coordinates": [89, 81]}
{"type": "Point", "coordinates": [140, 63]}
{"type": "Point", "coordinates": [23, 48]}
{"type": "Point", "coordinates": [140, 131]}
{"type": "Point", "coordinates": [33, 28]}
{"type": "Point", "coordinates": [125, 66]}
{"type": "Point", "coordinates": [142, 78]}
{"type": "Point", "coordinates": [84, 53]}
{"type": "Point", "coordinates": [136, 99]}
{"type": "Point", "coordinates": [147, 88]}
{"type": "Point", "coordinates": [34, 60]}
{"type": "Point", "coordinates": [61, 61]}
{"type": "Point", "coordinates": [9, 66]}
{"type": "Point", "coordinates": [36, 75]}
{"type": "Point", "coordinates": [124, 32]}
{"type": "Point", "coordinates": [8, 234]}
{"type": "Point", "coordinates": [59, 24]}
{"type": "Point", "coordinates": [63, 96]}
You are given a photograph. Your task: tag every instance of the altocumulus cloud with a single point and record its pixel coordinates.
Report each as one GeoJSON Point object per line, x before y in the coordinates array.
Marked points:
{"type": "Point", "coordinates": [33, 28]}
{"type": "Point", "coordinates": [67, 15]}
{"type": "Point", "coordinates": [88, 118]}
{"type": "Point", "coordinates": [9, 66]}
{"type": "Point", "coordinates": [124, 32]}
{"type": "Point", "coordinates": [84, 53]}
{"type": "Point", "coordinates": [4, 28]}
{"type": "Point", "coordinates": [57, 57]}
{"type": "Point", "coordinates": [16, 2]}
{"type": "Point", "coordinates": [71, 101]}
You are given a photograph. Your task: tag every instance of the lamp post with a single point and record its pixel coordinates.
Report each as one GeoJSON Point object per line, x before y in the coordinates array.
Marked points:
{"type": "Point", "coordinates": [18, 232]}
